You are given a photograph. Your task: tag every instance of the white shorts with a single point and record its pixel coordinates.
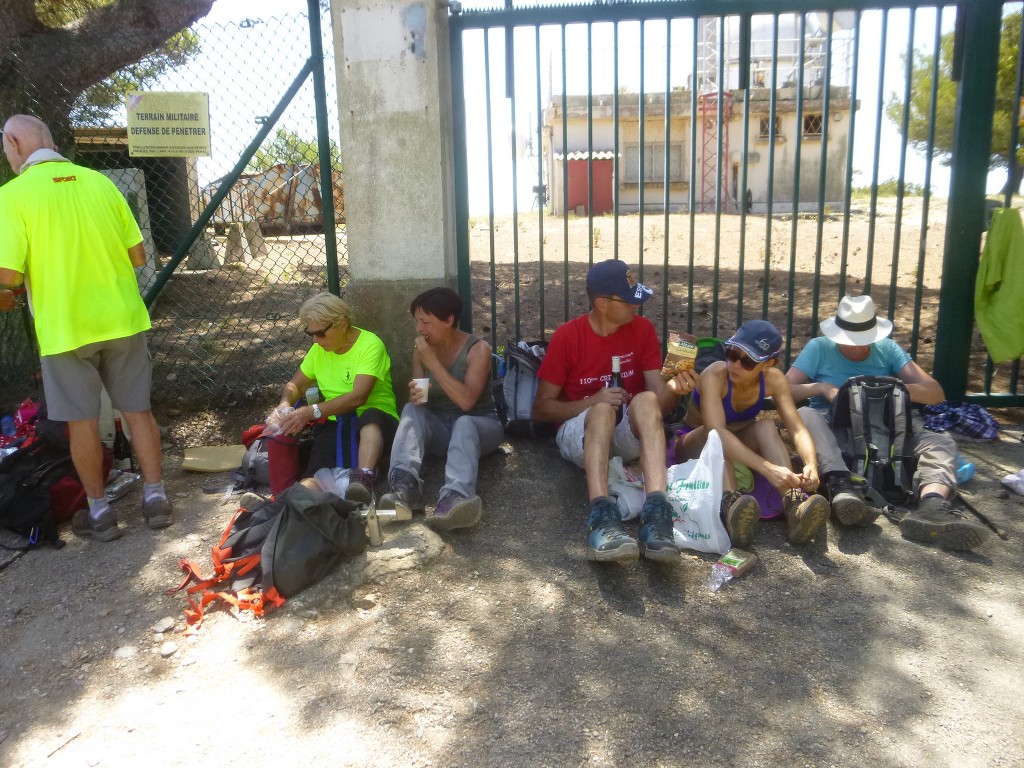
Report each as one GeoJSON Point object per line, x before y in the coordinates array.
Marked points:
{"type": "Point", "coordinates": [570, 440]}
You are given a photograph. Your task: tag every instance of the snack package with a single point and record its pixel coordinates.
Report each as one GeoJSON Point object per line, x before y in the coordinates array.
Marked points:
{"type": "Point", "coordinates": [681, 354]}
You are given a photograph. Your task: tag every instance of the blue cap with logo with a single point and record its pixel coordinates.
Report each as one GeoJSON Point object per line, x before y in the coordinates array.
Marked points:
{"type": "Point", "coordinates": [613, 278]}
{"type": "Point", "coordinates": [758, 338]}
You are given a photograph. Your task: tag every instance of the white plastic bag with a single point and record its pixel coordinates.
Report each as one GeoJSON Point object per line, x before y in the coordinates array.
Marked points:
{"type": "Point", "coordinates": [332, 480]}
{"type": "Point", "coordinates": [695, 490]}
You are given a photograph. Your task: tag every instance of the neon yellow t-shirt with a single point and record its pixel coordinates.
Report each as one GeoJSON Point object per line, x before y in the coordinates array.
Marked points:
{"type": "Point", "coordinates": [68, 230]}
{"type": "Point", "coordinates": [336, 374]}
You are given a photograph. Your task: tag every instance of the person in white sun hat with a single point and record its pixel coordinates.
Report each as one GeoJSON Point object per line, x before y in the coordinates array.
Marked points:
{"type": "Point", "coordinates": [856, 342]}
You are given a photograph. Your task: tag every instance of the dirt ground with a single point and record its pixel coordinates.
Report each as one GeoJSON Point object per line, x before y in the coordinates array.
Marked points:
{"type": "Point", "coordinates": [502, 645]}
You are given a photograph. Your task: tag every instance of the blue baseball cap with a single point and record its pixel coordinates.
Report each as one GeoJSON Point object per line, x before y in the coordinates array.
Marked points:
{"type": "Point", "coordinates": [758, 338]}
{"type": "Point", "coordinates": [613, 278]}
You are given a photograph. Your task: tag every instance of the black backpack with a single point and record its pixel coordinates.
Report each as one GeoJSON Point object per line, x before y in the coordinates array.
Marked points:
{"type": "Point", "coordinates": [872, 422]}
{"type": "Point", "coordinates": [518, 388]}
{"type": "Point", "coordinates": [25, 502]}
{"type": "Point", "coordinates": [274, 551]}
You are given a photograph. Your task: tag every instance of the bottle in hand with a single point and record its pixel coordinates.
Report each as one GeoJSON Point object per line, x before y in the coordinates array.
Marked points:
{"type": "Point", "coordinates": [123, 458]}
{"type": "Point", "coordinates": [616, 381]}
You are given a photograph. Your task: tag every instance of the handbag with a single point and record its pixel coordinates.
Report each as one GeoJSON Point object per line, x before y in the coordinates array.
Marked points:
{"type": "Point", "coordinates": [695, 490]}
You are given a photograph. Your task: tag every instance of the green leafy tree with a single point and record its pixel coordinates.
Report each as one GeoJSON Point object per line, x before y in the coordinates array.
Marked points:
{"type": "Point", "coordinates": [945, 105]}
{"type": "Point", "coordinates": [289, 148]}
{"type": "Point", "coordinates": [52, 52]}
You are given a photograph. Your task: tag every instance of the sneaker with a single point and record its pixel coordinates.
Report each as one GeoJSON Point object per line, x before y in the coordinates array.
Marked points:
{"type": "Point", "coordinates": [405, 495]}
{"type": "Point", "coordinates": [657, 536]}
{"type": "Point", "coordinates": [104, 529]}
{"type": "Point", "coordinates": [937, 522]}
{"type": "Point", "coordinates": [157, 512]}
{"type": "Point", "coordinates": [804, 515]}
{"type": "Point", "coordinates": [740, 513]}
{"type": "Point", "coordinates": [360, 485]}
{"type": "Point", "coordinates": [607, 541]}
{"type": "Point", "coordinates": [848, 506]}
{"type": "Point", "coordinates": [454, 510]}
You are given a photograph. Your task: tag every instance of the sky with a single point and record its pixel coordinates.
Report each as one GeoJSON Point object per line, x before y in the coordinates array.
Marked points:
{"type": "Point", "coordinates": [257, 92]}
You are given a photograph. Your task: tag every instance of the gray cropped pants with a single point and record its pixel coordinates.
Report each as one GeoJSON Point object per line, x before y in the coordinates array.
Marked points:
{"type": "Point", "coordinates": [423, 432]}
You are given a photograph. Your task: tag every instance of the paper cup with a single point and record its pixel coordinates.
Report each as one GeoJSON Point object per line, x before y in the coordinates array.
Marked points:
{"type": "Point", "coordinates": [423, 385]}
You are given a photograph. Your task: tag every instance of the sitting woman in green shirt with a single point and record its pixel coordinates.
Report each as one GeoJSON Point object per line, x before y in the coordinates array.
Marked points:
{"type": "Point", "coordinates": [352, 369]}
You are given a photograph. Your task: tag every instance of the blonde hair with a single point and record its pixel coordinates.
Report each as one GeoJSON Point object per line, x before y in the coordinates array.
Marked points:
{"type": "Point", "coordinates": [325, 308]}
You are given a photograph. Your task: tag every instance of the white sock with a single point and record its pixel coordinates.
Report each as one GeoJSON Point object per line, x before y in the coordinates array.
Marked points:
{"type": "Point", "coordinates": [97, 507]}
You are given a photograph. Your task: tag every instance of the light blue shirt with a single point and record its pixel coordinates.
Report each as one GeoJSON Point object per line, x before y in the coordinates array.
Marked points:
{"type": "Point", "coordinates": [821, 360]}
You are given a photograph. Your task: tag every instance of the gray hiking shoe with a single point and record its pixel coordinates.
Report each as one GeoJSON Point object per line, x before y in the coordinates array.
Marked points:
{"type": "Point", "coordinates": [848, 506]}
{"type": "Point", "coordinates": [454, 510]}
{"type": "Point", "coordinates": [405, 494]}
{"type": "Point", "coordinates": [607, 540]}
{"type": "Point", "coordinates": [740, 513]}
{"type": "Point", "coordinates": [935, 521]}
{"type": "Point", "coordinates": [657, 536]}
{"type": "Point", "coordinates": [157, 512]}
{"type": "Point", "coordinates": [805, 515]}
{"type": "Point", "coordinates": [104, 529]}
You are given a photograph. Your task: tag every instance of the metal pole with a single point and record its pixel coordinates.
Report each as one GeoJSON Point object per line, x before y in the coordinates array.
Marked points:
{"type": "Point", "coordinates": [323, 140]}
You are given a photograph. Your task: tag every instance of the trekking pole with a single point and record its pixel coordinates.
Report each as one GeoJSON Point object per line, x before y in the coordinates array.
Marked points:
{"type": "Point", "coordinates": [974, 510]}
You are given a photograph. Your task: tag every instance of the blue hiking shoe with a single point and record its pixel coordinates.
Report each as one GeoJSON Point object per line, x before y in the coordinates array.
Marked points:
{"type": "Point", "coordinates": [657, 536]}
{"type": "Point", "coordinates": [607, 541]}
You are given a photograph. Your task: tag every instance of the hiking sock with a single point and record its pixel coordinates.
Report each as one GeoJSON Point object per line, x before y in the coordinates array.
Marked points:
{"type": "Point", "coordinates": [933, 495]}
{"type": "Point", "coordinates": [152, 491]}
{"type": "Point", "coordinates": [97, 508]}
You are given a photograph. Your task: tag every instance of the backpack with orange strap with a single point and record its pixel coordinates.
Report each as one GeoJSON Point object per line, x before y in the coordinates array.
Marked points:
{"type": "Point", "coordinates": [273, 551]}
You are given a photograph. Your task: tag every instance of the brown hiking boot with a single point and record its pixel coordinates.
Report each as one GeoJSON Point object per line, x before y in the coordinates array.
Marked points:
{"type": "Point", "coordinates": [804, 515]}
{"type": "Point", "coordinates": [935, 521]}
{"type": "Point", "coordinates": [740, 513]}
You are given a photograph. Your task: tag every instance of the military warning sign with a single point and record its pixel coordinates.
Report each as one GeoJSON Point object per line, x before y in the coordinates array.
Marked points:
{"type": "Point", "coordinates": [165, 124]}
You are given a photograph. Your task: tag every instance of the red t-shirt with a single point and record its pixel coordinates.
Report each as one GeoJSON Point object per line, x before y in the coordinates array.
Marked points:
{"type": "Point", "coordinates": [580, 362]}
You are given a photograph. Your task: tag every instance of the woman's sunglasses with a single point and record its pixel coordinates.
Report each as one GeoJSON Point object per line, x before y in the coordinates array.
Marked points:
{"type": "Point", "coordinates": [734, 355]}
{"type": "Point", "coordinates": [318, 334]}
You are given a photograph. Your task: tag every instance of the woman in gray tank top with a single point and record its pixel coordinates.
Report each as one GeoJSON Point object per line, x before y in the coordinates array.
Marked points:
{"type": "Point", "coordinates": [454, 417]}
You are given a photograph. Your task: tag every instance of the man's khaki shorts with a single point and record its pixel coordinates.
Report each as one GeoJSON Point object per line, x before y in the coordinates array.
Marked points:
{"type": "Point", "coordinates": [72, 380]}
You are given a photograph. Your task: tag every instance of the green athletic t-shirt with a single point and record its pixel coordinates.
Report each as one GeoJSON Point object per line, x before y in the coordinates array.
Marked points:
{"type": "Point", "coordinates": [336, 374]}
{"type": "Point", "coordinates": [68, 230]}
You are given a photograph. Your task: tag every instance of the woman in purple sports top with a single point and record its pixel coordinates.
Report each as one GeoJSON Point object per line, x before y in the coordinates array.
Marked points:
{"type": "Point", "coordinates": [729, 396]}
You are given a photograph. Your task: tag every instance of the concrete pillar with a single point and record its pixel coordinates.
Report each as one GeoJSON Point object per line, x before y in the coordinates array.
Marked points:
{"type": "Point", "coordinates": [237, 249]}
{"type": "Point", "coordinates": [394, 97]}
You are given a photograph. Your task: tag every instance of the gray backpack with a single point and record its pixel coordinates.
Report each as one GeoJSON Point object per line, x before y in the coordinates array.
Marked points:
{"type": "Point", "coordinates": [255, 469]}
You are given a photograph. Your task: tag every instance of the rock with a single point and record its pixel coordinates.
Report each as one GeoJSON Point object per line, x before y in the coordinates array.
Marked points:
{"type": "Point", "coordinates": [168, 649]}
{"type": "Point", "coordinates": [166, 624]}
{"type": "Point", "coordinates": [366, 602]}
{"type": "Point", "coordinates": [124, 652]}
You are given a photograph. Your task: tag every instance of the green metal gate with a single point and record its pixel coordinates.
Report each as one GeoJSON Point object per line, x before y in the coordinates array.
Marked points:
{"type": "Point", "coordinates": [757, 163]}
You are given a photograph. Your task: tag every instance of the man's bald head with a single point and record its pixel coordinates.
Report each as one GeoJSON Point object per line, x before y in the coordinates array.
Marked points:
{"type": "Point", "coordinates": [23, 135]}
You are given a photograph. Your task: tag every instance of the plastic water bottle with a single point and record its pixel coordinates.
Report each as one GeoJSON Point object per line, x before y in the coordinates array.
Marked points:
{"type": "Point", "coordinates": [964, 470]}
{"type": "Point", "coordinates": [7, 426]}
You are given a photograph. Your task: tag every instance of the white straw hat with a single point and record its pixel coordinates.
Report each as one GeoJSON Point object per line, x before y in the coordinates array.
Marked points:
{"type": "Point", "coordinates": [856, 323]}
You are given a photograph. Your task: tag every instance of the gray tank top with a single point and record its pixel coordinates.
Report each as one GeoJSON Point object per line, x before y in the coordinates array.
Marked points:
{"type": "Point", "coordinates": [440, 402]}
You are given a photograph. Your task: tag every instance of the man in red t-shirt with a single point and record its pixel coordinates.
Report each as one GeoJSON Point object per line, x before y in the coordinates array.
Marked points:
{"type": "Point", "coordinates": [576, 389]}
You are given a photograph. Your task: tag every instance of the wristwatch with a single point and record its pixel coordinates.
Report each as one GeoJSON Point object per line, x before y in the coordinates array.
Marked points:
{"type": "Point", "coordinates": [316, 411]}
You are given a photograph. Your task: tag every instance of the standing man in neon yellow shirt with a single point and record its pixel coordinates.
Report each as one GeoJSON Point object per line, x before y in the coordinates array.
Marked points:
{"type": "Point", "coordinates": [68, 234]}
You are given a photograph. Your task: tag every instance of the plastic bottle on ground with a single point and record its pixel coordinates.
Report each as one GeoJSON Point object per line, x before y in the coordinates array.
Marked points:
{"type": "Point", "coordinates": [964, 470]}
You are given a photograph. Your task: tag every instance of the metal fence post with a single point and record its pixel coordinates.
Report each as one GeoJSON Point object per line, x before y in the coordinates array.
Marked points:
{"type": "Point", "coordinates": [966, 209]}
{"type": "Point", "coordinates": [323, 140]}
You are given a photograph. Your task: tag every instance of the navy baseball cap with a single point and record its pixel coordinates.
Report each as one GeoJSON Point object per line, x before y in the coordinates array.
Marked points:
{"type": "Point", "coordinates": [758, 338]}
{"type": "Point", "coordinates": [613, 278]}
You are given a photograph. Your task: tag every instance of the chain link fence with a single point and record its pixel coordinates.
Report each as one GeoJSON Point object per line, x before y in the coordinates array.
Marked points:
{"type": "Point", "coordinates": [225, 323]}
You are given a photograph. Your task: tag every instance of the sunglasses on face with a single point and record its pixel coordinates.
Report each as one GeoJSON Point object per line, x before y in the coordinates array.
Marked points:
{"type": "Point", "coordinates": [614, 298]}
{"type": "Point", "coordinates": [734, 355]}
{"type": "Point", "coordinates": [318, 334]}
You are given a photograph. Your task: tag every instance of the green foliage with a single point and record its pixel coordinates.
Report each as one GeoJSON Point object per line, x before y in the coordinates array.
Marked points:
{"type": "Point", "coordinates": [945, 101]}
{"type": "Point", "coordinates": [890, 188]}
{"type": "Point", "coordinates": [289, 148]}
